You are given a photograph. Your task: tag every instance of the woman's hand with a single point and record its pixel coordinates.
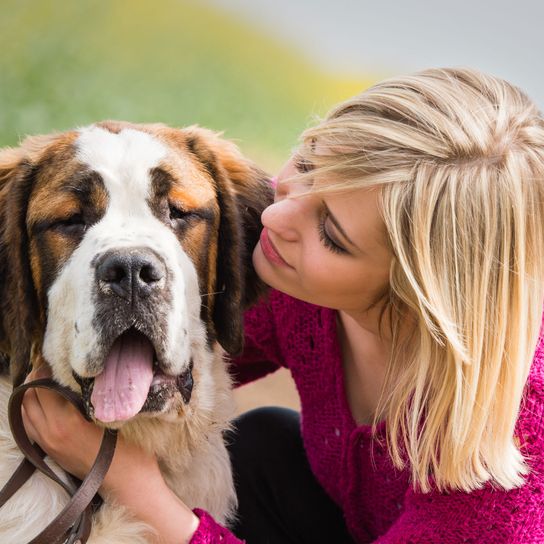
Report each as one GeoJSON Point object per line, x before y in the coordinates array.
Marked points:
{"type": "Point", "coordinates": [59, 428]}
{"type": "Point", "coordinates": [133, 480]}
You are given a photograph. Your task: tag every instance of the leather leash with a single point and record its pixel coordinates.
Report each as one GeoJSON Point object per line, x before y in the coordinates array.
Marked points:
{"type": "Point", "coordinates": [73, 524]}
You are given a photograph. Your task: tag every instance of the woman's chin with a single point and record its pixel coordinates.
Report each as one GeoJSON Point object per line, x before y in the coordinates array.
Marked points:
{"type": "Point", "coordinates": [267, 272]}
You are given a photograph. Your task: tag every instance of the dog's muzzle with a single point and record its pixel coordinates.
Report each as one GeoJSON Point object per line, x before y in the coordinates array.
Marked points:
{"type": "Point", "coordinates": [131, 371]}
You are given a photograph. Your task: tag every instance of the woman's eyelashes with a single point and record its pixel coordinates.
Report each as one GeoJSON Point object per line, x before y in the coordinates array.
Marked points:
{"type": "Point", "coordinates": [303, 166]}
{"type": "Point", "coordinates": [328, 241]}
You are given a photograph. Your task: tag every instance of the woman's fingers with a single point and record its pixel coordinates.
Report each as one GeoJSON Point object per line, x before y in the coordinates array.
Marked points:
{"type": "Point", "coordinates": [44, 421]}
{"type": "Point", "coordinates": [32, 410]}
{"type": "Point", "coordinates": [59, 428]}
{"type": "Point", "coordinates": [29, 427]}
{"type": "Point", "coordinates": [47, 408]}
{"type": "Point", "coordinates": [34, 417]}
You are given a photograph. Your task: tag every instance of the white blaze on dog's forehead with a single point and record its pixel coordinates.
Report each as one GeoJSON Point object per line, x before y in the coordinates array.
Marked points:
{"type": "Point", "coordinates": [123, 160]}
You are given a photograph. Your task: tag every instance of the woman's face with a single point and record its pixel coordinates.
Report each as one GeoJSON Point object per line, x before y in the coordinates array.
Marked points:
{"type": "Point", "coordinates": [326, 249]}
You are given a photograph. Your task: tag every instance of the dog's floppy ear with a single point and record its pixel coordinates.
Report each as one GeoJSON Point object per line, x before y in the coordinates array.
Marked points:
{"type": "Point", "coordinates": [243, 192]}
{"type": "Point", "coordinates": [18, 303]}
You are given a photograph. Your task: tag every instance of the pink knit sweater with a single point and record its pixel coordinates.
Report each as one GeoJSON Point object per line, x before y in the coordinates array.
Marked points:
{"type": "Point", "coordinates": [378, 502]}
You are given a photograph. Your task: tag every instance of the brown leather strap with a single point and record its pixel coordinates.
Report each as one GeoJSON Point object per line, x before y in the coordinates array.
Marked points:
{"type": "Point", "coordinates": [73, 523]}
{"type": "Point", "coordinates": [22, 473]}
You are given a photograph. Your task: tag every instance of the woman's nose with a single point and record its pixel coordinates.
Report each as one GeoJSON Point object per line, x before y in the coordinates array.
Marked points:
{"type": "Point", "coordinates": [281, 218]}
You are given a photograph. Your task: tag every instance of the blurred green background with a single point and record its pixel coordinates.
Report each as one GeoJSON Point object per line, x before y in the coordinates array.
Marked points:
{"type": "Point", "coordinates": [69, 63]}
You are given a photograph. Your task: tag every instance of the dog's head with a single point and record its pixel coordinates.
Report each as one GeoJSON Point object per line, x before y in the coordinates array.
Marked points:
{"type": "Point", "coordinates": [122, 247]}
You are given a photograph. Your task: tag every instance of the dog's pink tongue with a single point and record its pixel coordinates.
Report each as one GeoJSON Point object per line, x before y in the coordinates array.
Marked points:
{"type": "Point", "coordinates": [120, 391]}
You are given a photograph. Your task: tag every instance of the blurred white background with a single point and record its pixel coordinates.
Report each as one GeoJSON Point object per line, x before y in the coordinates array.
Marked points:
{"type": "Point", "coordinates": [388, 37]}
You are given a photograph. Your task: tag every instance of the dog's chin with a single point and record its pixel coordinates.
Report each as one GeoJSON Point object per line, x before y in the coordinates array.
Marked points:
{"type": "Point", "coordinates": [168, 394]}
{"type": "Point", "coordinates": [165, 398]}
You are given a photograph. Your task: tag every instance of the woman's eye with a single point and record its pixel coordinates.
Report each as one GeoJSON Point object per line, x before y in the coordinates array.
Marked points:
{"type": "Point", "coordinates": [302, 165]}
{"type": "Point", "coordinates": [327, 240]}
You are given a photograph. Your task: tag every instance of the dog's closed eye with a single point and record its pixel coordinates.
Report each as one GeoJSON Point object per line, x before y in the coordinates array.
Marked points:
{"type": "Point", "coordinates": [72, 225]}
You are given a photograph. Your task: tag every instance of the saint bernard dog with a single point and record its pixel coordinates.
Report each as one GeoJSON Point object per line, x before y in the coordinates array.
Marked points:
{"type": "Point", "coordinates": [125, 263]}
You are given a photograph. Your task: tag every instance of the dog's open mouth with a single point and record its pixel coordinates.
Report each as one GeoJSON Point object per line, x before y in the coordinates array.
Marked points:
{"type": "Point", "coordinates": [132, 381]}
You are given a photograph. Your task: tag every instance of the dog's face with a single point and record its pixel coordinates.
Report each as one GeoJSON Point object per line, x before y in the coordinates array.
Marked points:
{"type": "Point", "coordinates": [125, 248]}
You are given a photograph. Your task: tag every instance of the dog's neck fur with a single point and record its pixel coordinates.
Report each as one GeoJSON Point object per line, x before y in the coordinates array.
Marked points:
{"type": "Point", "coordinates": [190, 452]}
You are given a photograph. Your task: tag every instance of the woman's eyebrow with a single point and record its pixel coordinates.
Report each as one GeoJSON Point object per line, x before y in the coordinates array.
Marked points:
{"type": "Point", "coordinates": [339, 228]}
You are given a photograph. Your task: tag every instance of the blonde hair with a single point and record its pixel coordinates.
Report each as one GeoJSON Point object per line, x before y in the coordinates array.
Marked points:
{"type": "Point", "coordinates": [459, 158]}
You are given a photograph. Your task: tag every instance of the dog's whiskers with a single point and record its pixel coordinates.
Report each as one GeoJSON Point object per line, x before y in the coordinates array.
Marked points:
{"type": "Point", "coordinates": [213, 293]}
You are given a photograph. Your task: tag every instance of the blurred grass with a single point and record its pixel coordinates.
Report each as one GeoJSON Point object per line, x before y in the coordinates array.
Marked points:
{"type": "Point", "coordinates": [69, 63]}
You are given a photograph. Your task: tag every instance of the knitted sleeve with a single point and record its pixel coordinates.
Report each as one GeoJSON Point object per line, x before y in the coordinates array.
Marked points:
{"type": "Point", "coordinates": [488, 515]}
{"type": "Point", "coordinates": [261, 354]}
{"type": "Point", "coordinates": [210, 532]}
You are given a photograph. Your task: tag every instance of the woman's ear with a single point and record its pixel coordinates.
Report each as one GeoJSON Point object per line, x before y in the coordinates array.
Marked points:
{"type": "Point", "coordinates": [243, 192]}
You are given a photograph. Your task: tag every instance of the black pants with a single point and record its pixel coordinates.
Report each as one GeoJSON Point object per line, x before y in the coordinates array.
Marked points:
{"type": "Point", "coordinates": [279, 500]}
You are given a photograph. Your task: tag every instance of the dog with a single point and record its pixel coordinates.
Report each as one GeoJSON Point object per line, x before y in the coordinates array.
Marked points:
{"type": "Point", "coordinates": [125, 265]}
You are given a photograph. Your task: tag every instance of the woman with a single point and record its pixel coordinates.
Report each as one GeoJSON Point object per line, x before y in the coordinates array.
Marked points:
{"type": "Point", "coordinates": [405, 250]}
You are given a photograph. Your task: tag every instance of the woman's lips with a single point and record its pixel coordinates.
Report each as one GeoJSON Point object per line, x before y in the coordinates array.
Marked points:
{"type": "Point", "coordinates": [270, 252]}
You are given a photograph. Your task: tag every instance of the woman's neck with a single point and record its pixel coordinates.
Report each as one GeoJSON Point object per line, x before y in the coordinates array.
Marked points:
{"type": "Point", "coordinates": [364, 357]}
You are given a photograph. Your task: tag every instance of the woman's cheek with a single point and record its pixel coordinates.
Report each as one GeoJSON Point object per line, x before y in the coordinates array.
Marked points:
{"type": "Point", "coordinates": [259, 264]}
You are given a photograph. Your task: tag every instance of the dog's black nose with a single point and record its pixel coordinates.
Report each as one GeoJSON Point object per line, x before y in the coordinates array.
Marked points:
{"type": "Point", "coordinates": [132, 273]}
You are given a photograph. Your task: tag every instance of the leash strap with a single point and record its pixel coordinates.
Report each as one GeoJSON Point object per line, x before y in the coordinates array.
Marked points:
{"type": "Point", "coordinates": [23, 472]}
{"type": "Point", "coordinates": [73, 523]}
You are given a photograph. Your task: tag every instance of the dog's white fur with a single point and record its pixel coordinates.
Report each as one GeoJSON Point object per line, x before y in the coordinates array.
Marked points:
{"type": "Point", "coordinates": [188, 439]}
